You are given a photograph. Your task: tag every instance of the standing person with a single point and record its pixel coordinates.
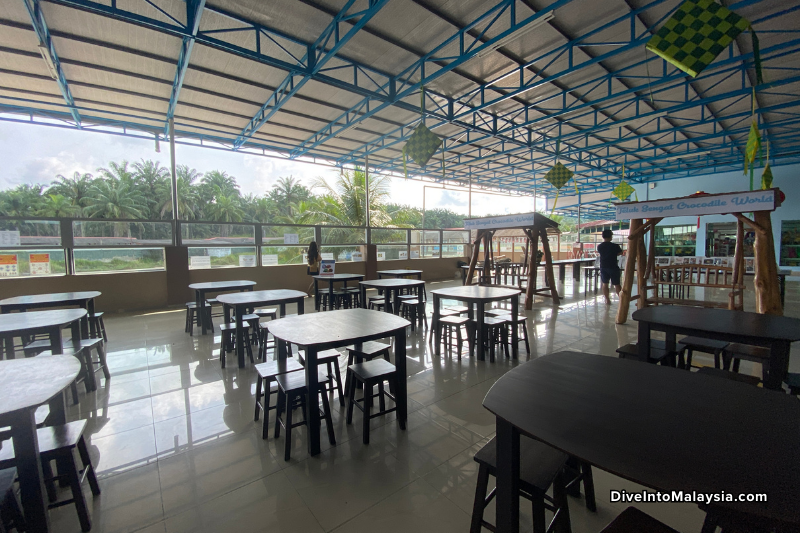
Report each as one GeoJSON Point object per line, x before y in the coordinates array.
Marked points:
{"type": "Point", "coordinates": [313, 261]}
{"type": "Point", "coordinates": [609, 267]}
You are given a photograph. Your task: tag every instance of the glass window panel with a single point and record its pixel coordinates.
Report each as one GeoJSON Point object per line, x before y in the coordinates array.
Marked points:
{"type": "Point", "coordinates": [389, 236]}
{"type": "Point", "coordinates": [94, 260]}
{"type": "Point", "coordinates": [455, 236]}
{"type": "Point", "coordinates": [344, 235]}
{"type": "Point", "coordinates": [423, 252]}
{"type": "Point", "coordinates": [285, 255]}
{"type": "Point", "coordinates": [214, 234]}
{"type": "Point", "coordinates": [275, 235]}
{"type": "Point", "coordinates": [30, 233]}
{"type": "Point", "coordinates": [391, 252]}
{"type": "Point", "coordinates": [109, 233]}
{"type": "Point", "coordinates": [220, 257]}
{"type": "Point", "coordinates": [424, 236]}
{"type": "Point", "coordinates": [453, 250]}
{"type": "Point", "coordinates": [790, 243]}
{"type": "Point", "coordinates": [343, 254]}
{"type": "Point", "coordinates": [32, 263]}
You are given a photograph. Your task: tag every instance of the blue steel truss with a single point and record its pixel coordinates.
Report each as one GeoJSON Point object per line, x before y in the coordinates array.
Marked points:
{"type": "Point", "coordinates": [46, 46]}
{"type": "Point", "coordinates": [593, 127]}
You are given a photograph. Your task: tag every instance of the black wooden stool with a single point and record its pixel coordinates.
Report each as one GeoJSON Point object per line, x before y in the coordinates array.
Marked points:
{"type": "Point", "coordinates": [575, 473]}
{"type": "Point", "coordinates": [292, 393]}
{"type": "Point", "coordinates": [227, 338]}
{"type": "Point", "coordinates": [369, 350]}
{"type": "Point", "coordinates": [632, 520]}
{"type": "Point", "coordinates": [521, 323]}
{"type": "Point", "coordinates": [369, 374]}
{"type": "Point", "coordinates": [57, 443]}
{"type": "Point", "coordinates": [735, 352]}
{"type": "Point", "coordinates": [495, 333]}
{"type": "Point", "coordinates": [540, 467]}
{"type": "Point", "coordinates": [658, 353]}
{"type": "Point", "coordinates": [267, 372]}
{"type": "Point", "coordinates": [699, 344]}
{"type": "Point", "coordinates": [460, 309]}
{"type": "Point", "coordinates": [330, 358]}
{"type": "Point", "coordinates": [10, 508]}
{"type": "Point", "coordinates": [726, 374]}
{"type": "Point", "coordinates": [192, 317]}
{"type": "Point", "coordinates": [409, 308]}
{"type": "Point", "coordinates": [97, 327]}
{"type": "Point", "coordinates": [376, 302]}
{"type": "Point", "coordinates": [451, 326]}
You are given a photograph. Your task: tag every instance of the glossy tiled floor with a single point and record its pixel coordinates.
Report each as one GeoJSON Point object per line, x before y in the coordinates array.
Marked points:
{"type": "Point", "coordinates": [175, 445]}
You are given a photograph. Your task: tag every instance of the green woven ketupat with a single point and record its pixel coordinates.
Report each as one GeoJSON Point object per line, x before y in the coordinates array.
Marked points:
{"type": "Point", "coordinates": [696, 34]}
{"type": "Point", "coordinates": [421, 145]}
{"type": "Point", "coordinates": [558, 175]}
{"type": "Point", "coordinates": [766, 178]}
{"type": "Point", "coordinates": [623, 191]}
{"type": "Point", "coordinates": [752, 147]}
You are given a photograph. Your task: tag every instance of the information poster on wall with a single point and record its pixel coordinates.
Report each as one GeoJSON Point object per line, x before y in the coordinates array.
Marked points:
{"type": "Point", "coordinates": [247, 260]}
{"type": "Point", "coordinates": [200, 261]}
{"type": "Point", "coordinates": [381, 256]}
{"type": "Point", "coordinates": [9, 238]}
{"type": "Point", "coordinates": [403, 255]}
{"type": "Point", "coordinates": [8, 266]}
{"type": "Point", "coordinates": [305, 259]}
{"type": "Point", "coordinates": [356, 256]}
{"type": "Point", "coordinates": [327, 257]}
{"type": "Point", "coordinates": [40, 264]}
{"type": "Point", "coordinates": [291, 238]}
{"type": "Point", "coordinates": [272, 259]}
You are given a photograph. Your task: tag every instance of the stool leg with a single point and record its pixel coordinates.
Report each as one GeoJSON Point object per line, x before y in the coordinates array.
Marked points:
{"type": "Point", "coordinates": [47, 472]}
{"type": "Point", "coordinates": [278, 411]}
{"type": "Point", "coordinates": [459, 341]}
{"type": "Point", "coordinates": [287, 445]}
{"type": "Point", "coordinates": [326, 415]}
{"type": "Point", "coordinates": [259, 384]}
{"type": "Point", "coordinates": [381, 396]}
{"type": "Point", "coordinates": [563, 524]}
{"type": "Point", "coordinates": [351, 397]}
{"type": "Point", "coordinates": [103, 329]}
{"type": "Point", "coordinates": [249, 349]}
{"type": "Point", "coordinates": [338, 382]}
{"type": "Point", "coordinates": [222, 351]}
{"type": "Point", "coordinates": [367, 405]}
{"type": "Point", "coordinates": [83, 451]}
{"type": "Point", "coordinates": [77, 495]}
{"type": "Point", "coordinates": [265, 403]}
{"type": "Point", "coordinates": [480, 500]}
{"type": "Point", "coordinates": [588, 487]}
{"type": "Point", "coordinates": [537, 509]}
{"type": "Point", "coordinates": [101, 355]}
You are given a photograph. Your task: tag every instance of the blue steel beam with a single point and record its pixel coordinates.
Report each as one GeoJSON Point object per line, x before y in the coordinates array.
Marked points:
{"type": "Point", "coordinates": [194, 10]}
{"type": "Point", "coordinates": [411, 79]}
{"type": "Point", "coordinates": [319, 54]}
{"type": "Point", "coordinates": [46, 48]}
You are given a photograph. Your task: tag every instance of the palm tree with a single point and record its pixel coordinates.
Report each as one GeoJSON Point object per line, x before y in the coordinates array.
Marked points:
{"type": "Point", "coordinates": [288, 192]}
{"type": "Point", "coordinates": [188, 198]}
{"type": "Point", "coordinates": [113, 198]}
{"type": "Point", "coordinates": [348, 192]}
{"type": "Point", "coordinates": [76, 188]}
{"type": "Point", "coordinates": [117, 171]}
{"type": "Point", "coordinates": [216, 184]}
{"type": "Point", "coordinates": [150, 178]}
{"type": "Point", "coordinates": [58, 206]}
{"type": "Point", "coordinates": [226, 209]}
{"type": "Point", "coordinates": [24, 200]}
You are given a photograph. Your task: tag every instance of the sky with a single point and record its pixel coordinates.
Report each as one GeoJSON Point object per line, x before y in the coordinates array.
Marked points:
{"type": "Point", "coordinates": [37, 154]}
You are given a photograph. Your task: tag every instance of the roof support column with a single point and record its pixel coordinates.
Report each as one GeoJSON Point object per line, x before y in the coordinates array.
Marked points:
{"type": "Point", "coordinates": [173, 170]}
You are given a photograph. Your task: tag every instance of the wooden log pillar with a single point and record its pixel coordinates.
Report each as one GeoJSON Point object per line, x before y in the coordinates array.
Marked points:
{"type": "Point", "coordinates": [641, 272]}
{"type": "Point", "coordinates": [738, 265]}
{"type": "Point", "coordinates": [651, 253]}
{"type": "Point", "coordinates": [630, 267]}
{"type": "Point", "coordinates": [548, 267]}
{"type": "Point", "coordinates": [532, 270]}
{"type": "Point", "coordinates": [767, 289]}
{"type": "Point", "coordinates": [476, 247]}
{"type": "Point", "coordinates": [488, 257]}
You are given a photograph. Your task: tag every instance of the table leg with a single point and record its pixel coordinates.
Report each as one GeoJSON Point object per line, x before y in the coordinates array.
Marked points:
{"type": "Point", "coordinates": [55, 341]}
{"type": "Point", "coordinates": [562, 272]}
{"type": "Point", "coordinates": [85, 320]}
{"type": "Point", "coordinates": [783, 289]}
{"type": "Point", "coordinates": [514, 326]}
{"type": "Point", "coordinates": [312, 402]}
{"type": "Point", "coordinates": [226, 311]}
{"type": "Point", "coordinates": [29, 470]}
{"type": "Point", "coordinates": [400, 365]}
{"type": "Point", "coordinates": [479, 332]}
{"type": "Point", "coordinates": [282, 310]}
{"type": "Point", "coordinates": [239, 336]}
{"type": "Point", "coordinates": [330, 295]}
{"type": "Point", "coordinates": [9, 345]}
{"type": "Point", "coordinates": [778, 365]}
{"type": "Point", "coordinates": [471, 316]}
{"type": "Point", "coordinates": [435, 325]}
{"type": "Point", "coordinates": [576, 272]}
{"type": "Point", "coordinates": [280, 346]}
{"type": "Point", "coordinates": [644, 341]}
{"type": "Point", "coordinates": [77, 331]}
{"type": "Point", "coordinates": [199, 298]}
{"type": "Point", "coordinates": [316, 295]}
{"type": "Point", "coordinates": [363, 291]}
{"type": "Point", "coordinates": [420, 307]}
{"type": "Point", "coordinates": [300, 306]}
{"type": "Point", "coordinates": [387, 300]}
{"type": "Point", "coordinates": [507, 477]}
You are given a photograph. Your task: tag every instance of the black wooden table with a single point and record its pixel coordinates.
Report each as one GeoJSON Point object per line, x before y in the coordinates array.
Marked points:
{"type": "Point", "coordinates": [25, 384]}
{"type": "Point", "coordinates": [575, 263]}
{"type": "Point", "coordinates": [203, 289]}
{"type": "Point", "coordinates": [317, 332]}
{"type": "Point", "coordinates": [391, 288]}
{"type": "Point", "coordinates": [331, 279]}
{"type": "Point", "coordinates": [476, 297]}
{"type": "Point", "coordinates": [642, 422]}
{"type": "Point", "coordinates": [83, 299]}
{"type": "Point", "coordinates": [771, 331]}
{"type": "Point", "coordinates": [14, 325]}
{"type": "Point", "coordinates": [240, 302]}
{"type": "Point", "coordinates": [399, 273]}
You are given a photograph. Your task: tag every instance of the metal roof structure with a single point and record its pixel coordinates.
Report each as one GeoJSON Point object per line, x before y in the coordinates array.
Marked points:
{"type": "Point", "coordinates": [510, 86]}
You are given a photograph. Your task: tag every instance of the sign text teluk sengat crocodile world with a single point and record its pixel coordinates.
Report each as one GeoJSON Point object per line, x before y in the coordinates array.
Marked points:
{"type": "Point", "coordinates": [738, 202]}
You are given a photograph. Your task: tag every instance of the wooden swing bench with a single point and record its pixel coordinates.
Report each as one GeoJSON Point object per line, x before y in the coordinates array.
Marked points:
{"type": "Point", "coordinates": [672, 286]}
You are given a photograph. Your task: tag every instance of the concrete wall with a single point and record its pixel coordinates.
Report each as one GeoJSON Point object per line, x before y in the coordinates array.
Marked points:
{"type": "Point", "coordinates": [784, 178]}
{"type": "Point", "coordinates": [149, 290]}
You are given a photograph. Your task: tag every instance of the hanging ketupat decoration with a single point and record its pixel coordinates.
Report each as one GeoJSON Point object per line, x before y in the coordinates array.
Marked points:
{"type": "Point", "coordinates": [766, 178]}
{"type": "Point", "coordinates": [623, 191]}
{"type": "Point", "coordinates": [697, 33]}
{"type": "Point", "coordinates": [423, 143]}
{"type": "Point", "coordinates": [752, 148]}
{"type": "Point", "coordinates": [558, 176]}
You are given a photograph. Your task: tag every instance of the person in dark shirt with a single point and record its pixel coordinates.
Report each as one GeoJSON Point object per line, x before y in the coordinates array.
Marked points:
{"type": "Point", "coordinates": [609, 268]}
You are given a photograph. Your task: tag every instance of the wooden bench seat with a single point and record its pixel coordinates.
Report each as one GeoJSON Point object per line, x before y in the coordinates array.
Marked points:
{"type": "Point", "coordinates": [672, 285]}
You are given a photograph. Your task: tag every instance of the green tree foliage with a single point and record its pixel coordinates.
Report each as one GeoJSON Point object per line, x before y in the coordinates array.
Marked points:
{"type": "Point", "coordinates": [143, 190]}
